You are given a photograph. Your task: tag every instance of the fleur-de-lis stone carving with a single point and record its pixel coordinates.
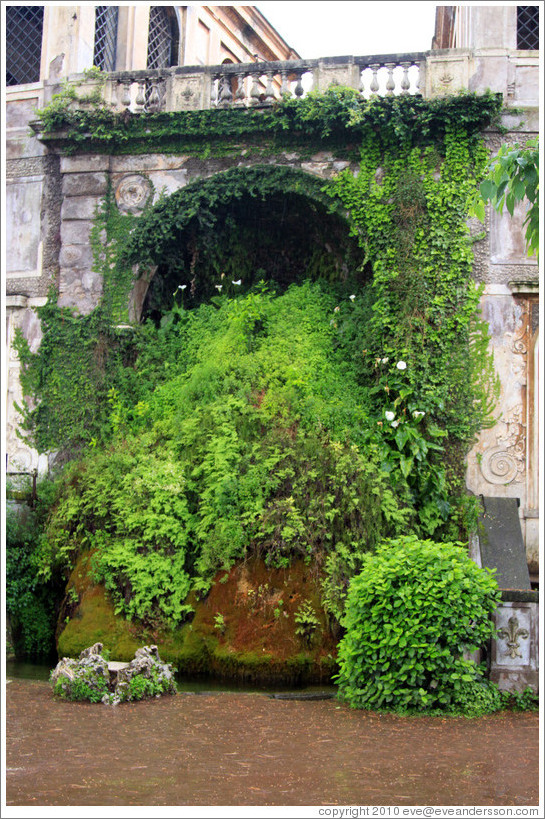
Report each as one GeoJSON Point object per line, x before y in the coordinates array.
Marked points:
{"type": "Point", "coordinates": [511, 635]}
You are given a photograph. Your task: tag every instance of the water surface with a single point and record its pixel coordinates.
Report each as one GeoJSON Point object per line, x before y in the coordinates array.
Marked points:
{"type": "Point", "coordinates": [238, 749]}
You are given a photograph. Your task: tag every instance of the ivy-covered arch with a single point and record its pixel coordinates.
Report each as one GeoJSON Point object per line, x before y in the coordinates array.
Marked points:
{"type": "Point", "coordinates": [263, 222]}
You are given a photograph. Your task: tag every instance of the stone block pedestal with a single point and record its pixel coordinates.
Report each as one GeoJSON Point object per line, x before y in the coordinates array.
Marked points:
{"type": "Point", "coordinates": [514, 663]}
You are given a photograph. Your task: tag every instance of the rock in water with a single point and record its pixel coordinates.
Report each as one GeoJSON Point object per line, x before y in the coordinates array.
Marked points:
{"type": "Point", "coordinates": [89, 677]}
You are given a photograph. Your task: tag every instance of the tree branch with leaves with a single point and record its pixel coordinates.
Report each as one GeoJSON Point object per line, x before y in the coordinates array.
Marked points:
{"type": "Point", "coordinates": [513, 176]}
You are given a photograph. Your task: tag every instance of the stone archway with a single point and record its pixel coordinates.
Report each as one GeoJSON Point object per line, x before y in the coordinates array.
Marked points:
{"type": "Point", "coordinates": [260, 223]}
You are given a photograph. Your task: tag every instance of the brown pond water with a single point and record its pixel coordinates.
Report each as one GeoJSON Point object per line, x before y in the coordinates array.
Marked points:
{"type": "Point", "coordinates": [236, 749]}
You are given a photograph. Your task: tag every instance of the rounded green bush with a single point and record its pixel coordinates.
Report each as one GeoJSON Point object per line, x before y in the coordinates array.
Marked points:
{"type": "Point", "coordinates": [411, 614]}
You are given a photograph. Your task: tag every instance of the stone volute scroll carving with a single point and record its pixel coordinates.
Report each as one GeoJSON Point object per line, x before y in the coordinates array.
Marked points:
{"type": "Point", "coordinates": [132, 193]}
{"type": "Point", "coordinates": [505, 462]}
{"type": "Point", "coordinates": [498, 466]}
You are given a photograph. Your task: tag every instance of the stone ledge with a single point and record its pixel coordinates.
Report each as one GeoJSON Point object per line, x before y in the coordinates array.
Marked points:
{"type": "Point", "coordinates": [519, 596]}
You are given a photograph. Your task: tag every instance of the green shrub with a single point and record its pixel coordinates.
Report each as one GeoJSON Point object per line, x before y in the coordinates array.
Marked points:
{"type": "Point", "coordinates": [88, 682]}
{"type": "Point", "coordinates": [527, 700]}
{"type": "Point", "coordinates": [411, 614]}
{"type": "Point", "coordinates": [31, 600]}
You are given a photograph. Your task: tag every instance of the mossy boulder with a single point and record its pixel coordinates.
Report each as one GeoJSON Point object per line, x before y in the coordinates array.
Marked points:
{"type": "Point", "coordinates": [247, 628]}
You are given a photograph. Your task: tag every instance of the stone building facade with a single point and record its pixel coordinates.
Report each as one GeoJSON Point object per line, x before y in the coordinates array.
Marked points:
{"type": "Point", "coordinates": [232, 56]}
{"type": "Point", "coordinates": [504, 462]}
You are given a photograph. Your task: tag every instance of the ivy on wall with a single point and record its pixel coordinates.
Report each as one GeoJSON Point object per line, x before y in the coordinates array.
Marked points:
{"type": "Point", "coordinates": [338, 116]}
{"type": "Point", "coordinates": [425, 347]}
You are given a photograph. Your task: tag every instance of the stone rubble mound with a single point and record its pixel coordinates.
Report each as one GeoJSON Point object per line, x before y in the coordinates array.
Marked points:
{"type": "Point", "coordinates": [110, 683]}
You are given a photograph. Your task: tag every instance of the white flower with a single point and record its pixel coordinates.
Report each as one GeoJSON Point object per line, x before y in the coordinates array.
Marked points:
{"type": "Point", "coordinates": [384, 360]}
{"type": "Point", "coordinates": [418, 413]}
{"type": "Point", "coordinates": [390, 415]}
{"type": "Point", "coordinates": [401, 365]}
{"type": "Point", "coordinates": [182, 286]}
{"type": "Point", "coordinates": [238, 282]}
{"type": "Point", "coordinates": [218, 286]}
{"type": "Point", "coordinates": [394, 424]}
{"type": "Point", "coordinates": [336, 310]}
{"type": "Point", "coordinates": [351, 297]}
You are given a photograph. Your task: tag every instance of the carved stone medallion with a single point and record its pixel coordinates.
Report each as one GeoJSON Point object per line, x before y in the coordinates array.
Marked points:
{"type": "Point", "coordinates": [132, 193]}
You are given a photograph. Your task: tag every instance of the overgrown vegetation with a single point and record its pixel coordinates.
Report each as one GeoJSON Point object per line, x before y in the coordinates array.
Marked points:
{"type": "Point", "coordinates": [31, 599]}
{"type": "Point", "coordinates": [292, 393]}
{"type": "Point", "coordinates": [340, 115]}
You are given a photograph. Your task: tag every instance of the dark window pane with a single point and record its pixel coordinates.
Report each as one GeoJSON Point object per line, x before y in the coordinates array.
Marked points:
{"type": "Point", "coordinates": [105, 37]}
{"type": "Point", "coordinates": [528, 27]}
{"type": "Point", "coordinates": [24, 27]}
{"type": "Point", "coordinates": [160, 38]}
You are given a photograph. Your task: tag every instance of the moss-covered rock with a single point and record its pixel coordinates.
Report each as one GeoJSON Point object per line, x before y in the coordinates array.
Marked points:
{"type": "Point", "coordinates": [245, 629]}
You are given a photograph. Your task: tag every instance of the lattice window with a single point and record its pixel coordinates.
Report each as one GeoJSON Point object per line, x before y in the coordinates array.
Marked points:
{"type": "Point", "coordinates": [162, 38]}
{"type": "Point", "coordinates": [24, 28]}
{"type": "Point", "coordinates": [528, 27]}
{"type": "Point", "coordinates": [105, 37]}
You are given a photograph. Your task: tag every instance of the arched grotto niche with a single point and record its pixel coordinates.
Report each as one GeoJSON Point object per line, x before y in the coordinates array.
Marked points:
{"type": "Point", "coordinates": [225, 234]}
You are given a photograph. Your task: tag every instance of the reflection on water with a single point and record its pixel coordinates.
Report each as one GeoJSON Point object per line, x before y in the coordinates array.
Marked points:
{"type": "Point", "coordinates": [36, 671]}
{"type": "Point", "coordinates": [27, 671]}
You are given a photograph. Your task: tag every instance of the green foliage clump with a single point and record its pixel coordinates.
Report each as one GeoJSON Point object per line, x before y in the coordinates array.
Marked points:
{"type": "Point", "coordinates": [251, 446]}
{"type": "Point", "coordinates": [307, 622]}
{"type": "Point", "coordinates": [424, 347]}
{"type": "Point", "coordinates": [411, 614]}
{"type": "Point", "coordinates": [70, 379]}
{"type": "Point", "coordinates": [86, 681]}
{"type": "Point", "coordinates": [32, 601]}
{"type": "Point", "coordinates": [526, 700]}
{"type": "Point", "coordinates": [332, 117]}
{"type": "Point", "coordinates": [144, 686]}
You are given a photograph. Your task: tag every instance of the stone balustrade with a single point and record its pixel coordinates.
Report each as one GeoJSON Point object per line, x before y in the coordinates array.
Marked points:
{"type": "Point", "coordinates": [247, 85]}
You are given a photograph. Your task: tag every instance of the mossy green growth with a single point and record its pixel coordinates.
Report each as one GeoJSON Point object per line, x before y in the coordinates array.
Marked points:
{"type": "Point", "coordinates": [254, 445]}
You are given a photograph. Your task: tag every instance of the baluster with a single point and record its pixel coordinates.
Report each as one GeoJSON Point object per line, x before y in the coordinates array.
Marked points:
{"type": "Point", "coordinates": [362, 84]}
{"type": "Point", "coordinates": [214, 95]}
{"type": "Point", "coordinates": [420, 79]}
{"type": "Point", "coordinates": [240, 94]}
{"type": "Point", "coordinates": [285, 87]}
{"type": "Point", "coordinates": [114, 96]}
{"type": "Point", "coordinates": [299, 90]}
{"type": "Point", "coordinates": [141, 96]}
{"type": "Point", "coordinates": [390, 84]}
{"type": "Point", "coordinates": [125, 97]}
{"type": "Point", "coordinates": [254, 92]}
{"type": "Point", "coordinates": [374, 82]}
{"type": "Point", "coordinates": [226, 95]}
{"type": "Point", "coordinates": [405, 83]}
{"type": "Point", "coordinates": [269, 90]}
{"type": "Point", "coordinates": [154, 102]}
